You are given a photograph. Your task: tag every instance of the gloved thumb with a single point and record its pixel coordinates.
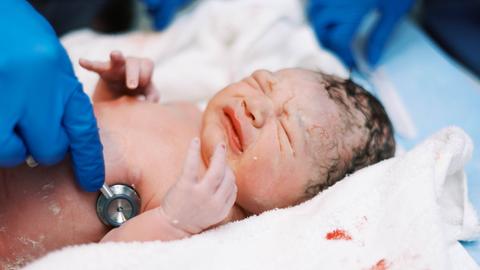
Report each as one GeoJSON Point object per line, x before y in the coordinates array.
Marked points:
{"type": "Point", "coordinates": [339, 39]}
{"type": "Point", "coordinates": [85, 146]}
{"type": "Point", "coordinates": [380, 34]}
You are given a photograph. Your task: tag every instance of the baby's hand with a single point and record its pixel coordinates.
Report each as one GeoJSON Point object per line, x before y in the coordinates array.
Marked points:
{"type": "Point", "coordinates": [194, 205]}
{"type": "Point", "coordinates": [125, 76]}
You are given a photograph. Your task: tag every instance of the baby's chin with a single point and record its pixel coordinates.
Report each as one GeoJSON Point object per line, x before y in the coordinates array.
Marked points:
{"type": "Point", "coordinates": [255, 196]}
{"type": "Point", "coordinates": [255, 205]}
{"type": "Point", "coordinates": [212, 133]}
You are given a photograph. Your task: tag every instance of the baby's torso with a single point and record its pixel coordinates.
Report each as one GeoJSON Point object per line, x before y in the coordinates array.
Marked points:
{"type": "Point", "coordinates": [42, 209]}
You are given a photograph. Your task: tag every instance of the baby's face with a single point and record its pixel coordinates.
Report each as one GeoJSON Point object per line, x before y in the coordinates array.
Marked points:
{"type": "Point", "coordinates": [268, 122]}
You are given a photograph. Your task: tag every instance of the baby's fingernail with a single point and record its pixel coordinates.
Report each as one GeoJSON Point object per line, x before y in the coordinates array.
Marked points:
{"type": "Point", "coordinates": [132, 84]}
{"type": "Point", "coordinates": [196, 141]}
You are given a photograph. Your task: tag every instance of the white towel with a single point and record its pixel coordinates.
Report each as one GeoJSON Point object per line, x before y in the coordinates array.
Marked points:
{"type": "Point", "coordinates": [404, 213]}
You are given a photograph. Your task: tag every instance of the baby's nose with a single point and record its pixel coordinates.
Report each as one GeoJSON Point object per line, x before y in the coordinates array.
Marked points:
{"type": "Point", "coordinates": [257, 110]}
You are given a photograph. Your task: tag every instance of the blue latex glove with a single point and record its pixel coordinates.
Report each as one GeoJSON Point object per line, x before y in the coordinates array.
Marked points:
{"type": "Point", "coordinates": [43, 109]}
{"type": "Point", "coordinates": [336, 23]}
{"type": "Point", "coordinates": [163, 11]}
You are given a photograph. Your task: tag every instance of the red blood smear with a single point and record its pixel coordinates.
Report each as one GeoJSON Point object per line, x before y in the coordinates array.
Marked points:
{"type": "Point", "coordinates": [338, 235]}
{"type": "Point", "coordinates": [381, 265]}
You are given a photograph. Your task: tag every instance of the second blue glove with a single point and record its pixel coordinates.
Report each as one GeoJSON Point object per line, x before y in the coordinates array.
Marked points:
{"type": "Point", "coordinates": [163, 11]}
{"type": "Point", "coordinates": [336, 23]}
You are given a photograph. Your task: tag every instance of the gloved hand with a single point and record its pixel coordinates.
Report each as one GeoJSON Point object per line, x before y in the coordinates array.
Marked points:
{"type": "Point", "coordinates": [43, 109]}
{"type": "Point", "coordinates": [163, 11]}
{"type": "Point", "coordinates": [194, 204]}
{"type": "Point", "coordinates": [336, 23]}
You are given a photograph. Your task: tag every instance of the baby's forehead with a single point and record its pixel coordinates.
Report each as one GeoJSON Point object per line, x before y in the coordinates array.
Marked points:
{"type": "Point", "coordinates": [318, 114]}
{"type": "Point", "coordinates": [306, 86]}
{"type": "Point", "coordinates": [307, 92]}
{"type": "Point", "coordinates": [299, 75]}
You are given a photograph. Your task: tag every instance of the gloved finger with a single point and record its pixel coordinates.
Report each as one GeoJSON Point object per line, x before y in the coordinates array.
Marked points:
{"type": "Point", "coordinates": [146, 71]}
{"type": "Point", "coordinates": [85, 146]}
{"type": "Point", "coordinates": [381, 32]}
{"type": "Point", "coordinates": [95, 66]}
{"type": "Point", "coordinates": [340, 37]}
{"type": "Point", "coordinates": [165, 14]}
{"type": "Point", "coordinates": [132, 73]}
{"type": "Point", "coordinates": [43, 133]}
{"type": "Point", "coordinates": [216, 170]}
{"type": "Point", "coordinates": [321, 19]}
{"type": "Point", "coordinates": [192, 161]}
{"type": "Point", "coordinates": [13, 151]}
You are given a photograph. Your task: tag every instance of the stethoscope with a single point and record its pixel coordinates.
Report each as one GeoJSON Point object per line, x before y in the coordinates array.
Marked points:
{"type": "Point", "coordinates": [117, 203]}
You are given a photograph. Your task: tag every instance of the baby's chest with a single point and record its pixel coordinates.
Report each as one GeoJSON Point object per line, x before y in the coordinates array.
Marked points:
{"type": "Point", "coordinates": [160, 155]}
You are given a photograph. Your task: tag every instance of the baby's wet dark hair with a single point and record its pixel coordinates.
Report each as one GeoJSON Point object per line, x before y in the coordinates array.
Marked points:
{"type": "Point", "coordinates": [366, 133]}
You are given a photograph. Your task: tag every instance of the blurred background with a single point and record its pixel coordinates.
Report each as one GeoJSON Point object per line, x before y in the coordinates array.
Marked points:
{"type": "Point", "coordinates": [453, 24]}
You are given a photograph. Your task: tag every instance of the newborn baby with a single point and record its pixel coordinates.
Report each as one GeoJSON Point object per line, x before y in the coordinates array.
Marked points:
{"type": "Point", "coordinates": [274, 139]}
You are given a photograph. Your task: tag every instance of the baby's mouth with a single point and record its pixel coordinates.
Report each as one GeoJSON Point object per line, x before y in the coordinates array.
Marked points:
{"type": "Point", "coordinates": [234, 131]}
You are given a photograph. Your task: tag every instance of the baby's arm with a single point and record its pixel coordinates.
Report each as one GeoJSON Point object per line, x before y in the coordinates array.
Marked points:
{"type": "Point", "coordinates": [148, 226]}
{"type": "Point", "coordinates": [190, 206]}
{"type": "Point", "coordinates": [122, 76]}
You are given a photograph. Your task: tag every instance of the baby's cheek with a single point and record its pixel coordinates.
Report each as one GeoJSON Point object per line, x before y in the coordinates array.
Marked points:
{"type": "Point", "coordinates": [211, 135]}
{"type": "Point", "coordinates": [256, 180]}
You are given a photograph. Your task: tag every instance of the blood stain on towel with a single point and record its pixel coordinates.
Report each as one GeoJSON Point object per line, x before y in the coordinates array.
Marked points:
{"type": "Point", "coordinates": [380, 265]}
{"type": "Point", "coordinates": [338, 234]}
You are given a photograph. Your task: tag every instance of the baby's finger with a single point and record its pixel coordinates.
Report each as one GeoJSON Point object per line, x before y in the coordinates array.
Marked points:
{"type": "Point", "coordinates": [132, 73]}
{"type": "Point", "coordinates": [227, 185]}
{"type": "Point", "coordinates": [232, 197]}
{"type": "Point", "coordinates": [117, 59]}
{"type": "Point", "coordinates": [192, 162]}
{"type": "Point", "coordinates": [146, 71]}
{"type": "Point", "coordinates": [95, 66]}
{"type": "Point", "coordinates": [216, 171]}
{"type": "Point", "coordinates": [151, 93]}
{"type": "Point", "coordinates": [86, 64]}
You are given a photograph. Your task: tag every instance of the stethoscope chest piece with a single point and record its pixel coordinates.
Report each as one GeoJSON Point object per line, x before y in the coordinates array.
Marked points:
{"type": "Point", "coordinates": [117, 204]}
